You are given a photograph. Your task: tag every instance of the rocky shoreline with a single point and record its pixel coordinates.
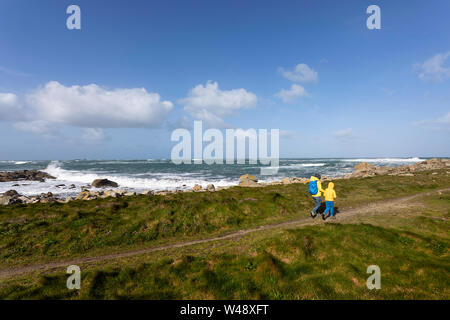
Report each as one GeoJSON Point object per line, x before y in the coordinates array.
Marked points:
{"type": "Point", "coordinates": [361, 170]}
{"type": "Point", "coordinates": [24, 175]}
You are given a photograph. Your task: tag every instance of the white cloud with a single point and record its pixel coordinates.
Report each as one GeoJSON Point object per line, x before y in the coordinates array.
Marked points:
{"type": "Point", "coordinates": [38, 127]}
{"type": "Point", "coordinates": [301, 73]}
{"type": "Point", "coordinates": [10, 107]}
{"type": "Point", "coordinates": [210, 104]}
{"type": "Point", "coordinates": [433, 69]}
{"type": "Point", "coordinates": [296, 91]}
{"type": "Point", "coordinates": [92, 106]}
{"type": "Point", "coordinates": [345, 134]}
{"type": "Point", "coordinates": [441, 123]}
{"type": "Point", "coordinates": [93, 135]}
{"type": "Point", "coordinates": [181, 123]}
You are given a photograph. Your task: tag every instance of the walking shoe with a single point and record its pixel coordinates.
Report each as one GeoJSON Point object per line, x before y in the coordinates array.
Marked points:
{"type": "Point", "coordinates": [313, 214]}
{"type": "Point", "coordinates": [325, 216]}
{"type": "Point", "coordinates": [333, 217]}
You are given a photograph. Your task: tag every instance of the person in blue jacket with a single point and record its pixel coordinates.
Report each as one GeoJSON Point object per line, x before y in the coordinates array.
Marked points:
{"type": "Point", "coordinates": [315, 189]}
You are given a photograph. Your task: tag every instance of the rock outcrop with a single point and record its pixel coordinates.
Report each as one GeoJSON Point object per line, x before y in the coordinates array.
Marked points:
{"type": "Point", "coordinates": [13, 197]}
{"type": "Point", "coordinates": [104, 183]}
{"type": "Point", "coordinates": [365, 169]}
{"type": "Point", "coordinates": [21, 175]}
{"type": "Point", "coordinates": [210, 187]}
{"type": "Point", "coordinates": [11, 193]}
{"type": "Point", "coordinates": [248, 180]}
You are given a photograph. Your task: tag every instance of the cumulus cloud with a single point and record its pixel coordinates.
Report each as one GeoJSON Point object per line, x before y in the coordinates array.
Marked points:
{"type": "Point", "coordinates": [38, 127]}
{"type": "Point", "coordinates": [433, 69]}
{"type": "Point", "coordinates": [301, 73]}
{"type": "Point", "coordinates": [441, 123]}
{"type": "Point", "coordinates": [210, 104]}
{"type": "Point", "coordinates": [296, 91]}
{"type": "Point", "coordinates": [92, 106]}
{"type": "Point", "coordinates": [180, 123]}
{"type": "Point", "coordinates": [10, 107]}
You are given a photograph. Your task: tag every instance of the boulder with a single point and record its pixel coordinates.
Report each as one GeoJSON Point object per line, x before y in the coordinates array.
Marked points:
{"type": "Point", "coordinates": [382, 170]}
{"type": "Point", "coordinates": [11, 193]}
{"type": "Point", "coordinates": [299, 180]}
{"type": "Point", "coordinates": [23, 199]}
{"type": "Point", "coordinates": [248, 180]}
{"type": "Point", "coordinates": [364, 166]}
{"type": "Point", "coordinates": [286, 180]}
{"type": "Point", "coordinates": [111, 193]}
{"type": "Point", "coordinates": [83, 195]}
{"type": "Point", "coordinates": [210, 187]}
{"type": "Point", "coordinates": [34, 199]}
{"type": "Point", "coordinates": [19, 175]}
{"type": "Point", "coordinates": [363, 170]}
{"type": "Point", "coordinates": [104, 183]}
{"type": "Point", "coordinates": [47, 200]}
{"type": "Point", "coordinates": [67, 199]}
{"type": "Point", "coordinates": [5, 200]}
{"type": "Point", "coordinates": [197, 187]}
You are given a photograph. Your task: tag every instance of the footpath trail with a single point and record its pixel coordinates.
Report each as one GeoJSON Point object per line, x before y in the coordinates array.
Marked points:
{"type": "Point", "coordinates": [378, 206]}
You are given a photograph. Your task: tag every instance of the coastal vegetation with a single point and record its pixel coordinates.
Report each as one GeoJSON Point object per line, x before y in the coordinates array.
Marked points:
{"type": "Point", "coordinates": [318, 261]}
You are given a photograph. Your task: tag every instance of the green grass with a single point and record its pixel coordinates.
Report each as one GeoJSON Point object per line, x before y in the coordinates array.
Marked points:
{"type": "Point", "coordinates": [409, 242]}
{"type": "Point", "coordinates": [321, 262]}
{"type": "Point", "coordinates": [45, 232]}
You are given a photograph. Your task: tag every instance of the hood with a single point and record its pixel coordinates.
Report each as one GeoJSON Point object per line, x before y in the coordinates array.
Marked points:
{"type": "Point", "coordinates": [331, 185]}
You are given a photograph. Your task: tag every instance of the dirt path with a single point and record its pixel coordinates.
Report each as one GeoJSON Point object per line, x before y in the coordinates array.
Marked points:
{"type": "Point", "coordinates": [342, 217]}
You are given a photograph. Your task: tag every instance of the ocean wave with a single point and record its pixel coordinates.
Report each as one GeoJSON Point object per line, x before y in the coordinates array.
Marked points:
{"type": "Point", "coordinates": [21, 162]}
{"type": "Point", "coordinates": [302, 165]}
{"type": "Point", "coordinates": [170, 181]}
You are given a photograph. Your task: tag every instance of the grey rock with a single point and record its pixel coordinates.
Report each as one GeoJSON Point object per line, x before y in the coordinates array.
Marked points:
{"type": "Point", "coordinates": [104, 183]}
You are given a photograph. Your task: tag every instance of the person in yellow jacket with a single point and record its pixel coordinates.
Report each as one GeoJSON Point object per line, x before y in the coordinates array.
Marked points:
{"type": "Point", "coordinates": [329, 195]}
{"type": "Point", "coordinates": [317, 197]}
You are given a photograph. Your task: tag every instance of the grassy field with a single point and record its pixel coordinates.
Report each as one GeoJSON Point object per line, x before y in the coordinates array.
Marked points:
{"type": "Point", "coordinates": [409, 241]}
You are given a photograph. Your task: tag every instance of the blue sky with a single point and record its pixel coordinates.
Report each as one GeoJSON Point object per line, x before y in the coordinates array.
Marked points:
{"type": "Point", "coordinates": [137, 69]}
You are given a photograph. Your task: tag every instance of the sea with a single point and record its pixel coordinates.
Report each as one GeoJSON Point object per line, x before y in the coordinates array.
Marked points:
{"type": "Point", "coordinates": [162, 174]}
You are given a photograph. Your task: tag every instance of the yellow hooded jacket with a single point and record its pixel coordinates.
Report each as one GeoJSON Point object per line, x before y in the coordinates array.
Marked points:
{"type": "Point", "coordinates": [319, 187]}
{"type": "Point", "coordinates": [329, 193]}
